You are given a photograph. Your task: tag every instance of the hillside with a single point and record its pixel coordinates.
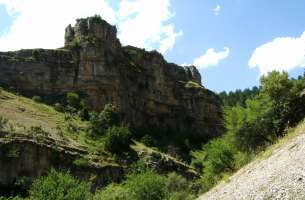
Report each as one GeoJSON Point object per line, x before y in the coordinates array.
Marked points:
{"type": "Point", "coordinates": [37, 138]}
{"type": "Point", "coordinates": [277, 173]}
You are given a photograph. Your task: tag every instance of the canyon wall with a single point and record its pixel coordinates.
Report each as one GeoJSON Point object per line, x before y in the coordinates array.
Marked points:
{"type": "Point", "coordinates": [149, 91]}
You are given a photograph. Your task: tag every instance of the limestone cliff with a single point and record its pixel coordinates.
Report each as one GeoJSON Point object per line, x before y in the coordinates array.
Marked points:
{"type": "Point", "coordinates": [147, 90]}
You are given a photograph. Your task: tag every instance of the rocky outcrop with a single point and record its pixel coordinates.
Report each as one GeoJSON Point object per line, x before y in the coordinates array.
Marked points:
{"type": "Point", "coordinates": [148, 91]}
{"type": "Point", "coordinates": [164, 164]}
{"type": "Point", "coordinates": [24, 157]}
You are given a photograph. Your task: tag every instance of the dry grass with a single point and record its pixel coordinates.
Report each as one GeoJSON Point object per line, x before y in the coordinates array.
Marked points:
{"type": "Point", "coordinates": [22, 111]}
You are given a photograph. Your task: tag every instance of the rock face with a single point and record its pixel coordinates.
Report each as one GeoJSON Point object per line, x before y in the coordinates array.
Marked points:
{"type": "Point", "coordinates": [25, 157]}
{"type": "Point", "coordinates": [148, 91]}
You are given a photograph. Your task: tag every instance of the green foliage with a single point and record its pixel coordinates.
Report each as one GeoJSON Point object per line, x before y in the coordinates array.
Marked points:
{"type": "Point", "coordinates": [81, 162]}
{"type": "Point", "coordinates": [254, 119]}
{"type": "Point", "coordinates": [74, 104]}
{"type": "Point", "coordinates": [114, 192]}
{"type": "Point", "coordinates": [97, 18]}
{"type": "Point", "coordinates": [73, 100]}
{"type": "Point", "coordinates": [147, 140]}
{"type": "Point", "coordinates": [35, 54]}
{"type": "Point", "coordinates": [176, 183]}
{"type": "Point", "coordinates": [11, 198]}
{"type": "Point", "coordinates": [37, 131]}
{"type": "Point", "coordinates": [117, 139]}
{"type": "Point", "coordinates": [147, 186]}
{"type": "Point", "coordinates": [75, 44]}
{"type": "Point", "coordinates": [138, 167]}
{"type": "Point", "coordinates": [238, 97]}
{"type": "Point", "coordinates": [37, 99]}
{"type": "Point", "coordinates": [219, 157]}
{"type": "Point", "coordinates": [3, 123]}
{"type": "Point", "coordinates": [59, 186]}
{"type": "Point", "coordinates": [59, 107]}
{"type": "Point", "coordinates": [99, 123]}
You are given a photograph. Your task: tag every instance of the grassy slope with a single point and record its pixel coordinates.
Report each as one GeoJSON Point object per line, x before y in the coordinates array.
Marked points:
{"type": "Point", "coordinates": [24, 113]}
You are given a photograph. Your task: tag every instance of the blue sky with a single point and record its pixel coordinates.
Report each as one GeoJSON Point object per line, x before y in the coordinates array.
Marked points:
{"type": "Point", "coordinates": [232, 42]}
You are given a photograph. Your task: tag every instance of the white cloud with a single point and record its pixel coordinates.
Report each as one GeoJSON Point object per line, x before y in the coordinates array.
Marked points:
{"type": "Point", "coordinates": [143, 23]}
{"type": "Point", "coordinates": [41, 24]}
{"type": "Point", "coordinates": [211, 58]}
{"type": "Point", "coordinates": [38, 23]}
{"type": "Point", "coordinates": [281, 54]}
{"type": "Point", "coordinates": [217, 9]}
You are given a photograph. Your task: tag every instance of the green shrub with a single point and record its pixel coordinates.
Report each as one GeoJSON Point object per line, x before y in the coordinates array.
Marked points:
{"type": "Point", "coordinates": [81, 162]}
{"type": "Point", "coordinates": [175, 183]}
{"type": "Point", "coordinates": [140, 166]}
{"type": "Point", "coordinates": [147, 140]}
{"type": "Point", "coordinates": [178, 188]}
{"type": "Point", "coordinates": [181, 195]}
{"type": "Point", "coordinates": [114, 192]}
{"type": "Point", "coordinates": [219, 157]}
{"type": "Point", "coordinates": [97, 18]}
{"type": "Point", "coordinates": [99, 123]}
{"type": "Point", "coordinates": [75, 44]}
{"type": "Point", "coordinates": [37, 131]}
{"type": "Point", "coordinates": [59, 107]}
{"type": "Point", "coordinates": [11, 198]}
{"type": "Point", "coordinates": [35, 54]}
{"type": "Point", "coordinates": [37, 99]}
{"type": "Point", "coordinates": [73, 100]}
{"type": "Point", "coordinates": [117, 139]}
{"type": "Point", "coordinates": [59, 186]}
{"type": "Point", "coordinates": [147, 186]}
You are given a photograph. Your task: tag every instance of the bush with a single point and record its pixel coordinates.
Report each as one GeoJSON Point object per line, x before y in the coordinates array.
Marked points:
{"type": "Point", "coordinates": [59, 186]}
{"type": "Point", "coordinates": [117, 139]}
{"type": "Point", "coordinates": [178, 188]}
{"type": "Point", "coordinates": [35, 54]}
{"type": "Point", "coordinates": [219, 157]}
{"type": "Point", "coordinates": [114, 192]}
{"type": "Point", "coordinates": [37, 99]}
{"type": "Point", "coordinates": [73, 100]}
{"type": "Point", "coordinates": [138, 167]}
{"type": "Point", "coordinates": [37, 130]}
{"type": "Point", "coordinates": [99, 123]}
{"type": "Point", "coordinates": [181, 195]}
{"type": "Point", "coordinates": [147, 140]}
{"type": "Point", "coordinates": [11, 198]}
{"type": "Point", "coordinates": [175, 183]}
{"type": "Point", "coordinates": [58, 107]}
{"type": "Point", "coordinates": [147, 186]}
{"type": "Point", "coordinates": [75, 44]}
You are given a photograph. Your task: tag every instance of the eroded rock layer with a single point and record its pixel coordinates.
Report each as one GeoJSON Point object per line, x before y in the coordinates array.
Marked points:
{"type": "Point", "coordinates": [148, 91]}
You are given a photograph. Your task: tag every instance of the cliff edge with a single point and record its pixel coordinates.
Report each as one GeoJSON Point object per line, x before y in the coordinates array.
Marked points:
{"type": "Point", "coordinates": [148, 91]}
